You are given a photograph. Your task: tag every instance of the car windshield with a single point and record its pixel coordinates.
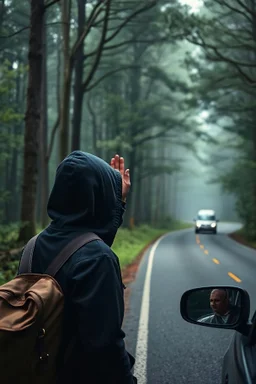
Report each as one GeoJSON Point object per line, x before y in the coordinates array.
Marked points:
{"type": "Point", "coordinates": [205, 217]}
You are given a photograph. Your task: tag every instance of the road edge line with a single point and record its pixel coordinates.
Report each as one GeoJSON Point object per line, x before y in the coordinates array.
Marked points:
{"type": "Point", "coordinates": [140, 368]}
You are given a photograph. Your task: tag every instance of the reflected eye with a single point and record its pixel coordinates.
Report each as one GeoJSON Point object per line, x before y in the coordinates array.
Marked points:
{"type": "Point", "coordinates": [214, 301]}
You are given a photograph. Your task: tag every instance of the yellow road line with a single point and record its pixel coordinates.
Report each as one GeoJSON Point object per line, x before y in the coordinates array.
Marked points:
{"type": "Point", "coordinates": [202, 246]}
{"type": "Point", "coordinates": [206, 252]}
{"type": "Point", "coordinates": [216, 261]}
{"type": "Point", "coordinates": [234, 277]}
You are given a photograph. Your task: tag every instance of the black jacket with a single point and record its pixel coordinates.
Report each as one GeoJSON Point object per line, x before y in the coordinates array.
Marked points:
{"type": "Point", "coordinates": [86, 197]}
{"type": "Point", "coordinates": [214, 318]}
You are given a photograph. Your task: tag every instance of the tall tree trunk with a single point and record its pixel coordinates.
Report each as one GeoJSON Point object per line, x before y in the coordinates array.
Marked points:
{"type": "Point", "coordinates": [15, 156]}
{"type": "Point", "coordinates": [147, 200]}
{"type": "Point", "coordinates": [44, 185]}
{"type": "Point", "coordinates": [138, 201]}
{"type": "Point", "coordinates": [78, 86]}
{"type": "Point", "coordinates": [39, 189]}
{"type": "Point", "coordinates": [13, 185]}
{"type": "Point", "coordinates": [2, 14]}
{"type": "Point", "coordinates": [92, 104]}
{"type": "Point", "coordinates": [7, 188]}
{"type": "Point", "coordinates": [59, 69]}
{"type": "Point", "coordinates": [134, 98]}
{"type": "Point", "coordinates": [132, 194]}
{"type": "Point", "coordinates": [22, 103]}
{"type": "Point", "coordinates": [32, 121]}
{"type": "Point", "coordinates": [67, 76]}
{"type": "Point", "coordinates": [163, 202]}
{"type": "Point", "coordinates": [157, 199]}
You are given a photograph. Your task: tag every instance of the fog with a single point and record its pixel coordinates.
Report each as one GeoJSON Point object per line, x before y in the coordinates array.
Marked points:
{"type": "Point", "coordinates": [191, 190]}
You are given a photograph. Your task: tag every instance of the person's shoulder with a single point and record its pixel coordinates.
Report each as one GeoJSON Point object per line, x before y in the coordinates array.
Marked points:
{"type": "Point", "coordinates": [205, 319]}
{"type": "Point", "coordinates": [234, 308]}
{"type": "Point", "coordinates": [92, 251]}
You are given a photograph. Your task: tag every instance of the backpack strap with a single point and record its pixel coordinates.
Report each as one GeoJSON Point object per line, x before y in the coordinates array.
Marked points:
{"type": "Point", "coordinates": [27, 256]}
{"type": "Point", "coordinates": [69, 250]}
{"type": "Point", "coordinates": [60, 259]}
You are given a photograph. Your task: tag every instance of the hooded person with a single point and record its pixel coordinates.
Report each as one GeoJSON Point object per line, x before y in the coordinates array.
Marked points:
{"type": "Point", "coordinates": [87, 197]}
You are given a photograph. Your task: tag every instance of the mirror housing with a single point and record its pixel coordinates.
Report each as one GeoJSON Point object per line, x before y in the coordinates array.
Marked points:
{"type": "Point", "coordinates": [217, 306]}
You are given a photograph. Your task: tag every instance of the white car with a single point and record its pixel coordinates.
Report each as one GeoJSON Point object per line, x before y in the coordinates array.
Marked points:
{"type": "Point", "coordinates": [206, 221]}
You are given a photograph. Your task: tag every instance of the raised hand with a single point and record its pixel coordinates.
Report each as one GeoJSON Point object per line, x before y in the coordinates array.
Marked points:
{"type": "Point", "coordinates": [117, 163]}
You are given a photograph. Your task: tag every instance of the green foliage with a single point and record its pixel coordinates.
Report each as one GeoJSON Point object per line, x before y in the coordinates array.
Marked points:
{"type": "Point", "coordinates": [223, 76]}
{"type": "Point", "coordinates": [9, 236]}
{"type": "Point", "coordinates": [10, 115]}
{"type": "Point", "coordinates": [241, 181]}
{"type": "Point", "coordinates": [8, 241]}
{"type": "Point", "coordinates": [132, 108]}
{"type": "Point", "coordinates": [4, 197]}
{"type": "Point", "coordinates": [9, 108]}
{"type": "Point", "coordinates": [11, 119]}
{"type": "Point", "coordinates": [129, 243]}
{"type": "Point", "coordinates": [8, 271]}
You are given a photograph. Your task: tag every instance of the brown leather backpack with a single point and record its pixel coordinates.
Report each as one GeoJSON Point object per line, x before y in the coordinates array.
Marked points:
{"type": "Point", "coordinates": [31, 312]}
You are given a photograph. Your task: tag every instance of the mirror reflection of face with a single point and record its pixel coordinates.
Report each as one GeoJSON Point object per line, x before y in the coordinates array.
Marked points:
{"type": "Point", "coordinates": [219, 301]}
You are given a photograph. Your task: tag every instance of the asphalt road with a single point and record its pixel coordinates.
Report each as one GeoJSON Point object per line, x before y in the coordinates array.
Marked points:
{"type": "Point", "coordinates": [169, 350]}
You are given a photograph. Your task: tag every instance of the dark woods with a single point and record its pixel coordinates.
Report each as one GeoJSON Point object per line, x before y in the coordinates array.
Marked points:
{"type": "Point", "coordinates": [105, 77]}
{"type": "Point", "coordinates": [85, 75]}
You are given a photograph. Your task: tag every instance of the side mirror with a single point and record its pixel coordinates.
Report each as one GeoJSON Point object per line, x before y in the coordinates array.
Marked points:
{"type": "Point", "coordinates": [217, 220]}
{"type": "Point", "coordinates": [216, 306]}
{"type": "Point", "coordinates": [194, 219]}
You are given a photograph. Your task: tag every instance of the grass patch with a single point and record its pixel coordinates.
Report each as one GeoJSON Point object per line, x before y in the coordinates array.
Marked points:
{"type": "Point", "coordinates": [129, 243]}
{"type": "Point", "coordinates": [241, 237]}
{"type": "Point", "coordinates": [8, 236]}
{"type": "Point", "coordinates": [8, 271]}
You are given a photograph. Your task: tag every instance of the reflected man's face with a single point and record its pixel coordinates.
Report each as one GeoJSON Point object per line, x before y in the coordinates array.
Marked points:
{"type": "Point", "coordinates": [219, 301]}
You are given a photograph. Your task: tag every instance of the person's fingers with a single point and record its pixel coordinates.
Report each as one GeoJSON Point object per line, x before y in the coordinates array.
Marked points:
{"type": "Point", "coordinates": [121, 166]}
{"type": "Point", "coordinates": [127, 176]}
{"type": "Point", "coordinates": [112, 162]}
{"type": "Point", "coordinates": [117, 160]}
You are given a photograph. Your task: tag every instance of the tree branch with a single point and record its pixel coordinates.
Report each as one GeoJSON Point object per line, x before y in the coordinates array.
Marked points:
{"type": "Point", "coordinates": [54, 130]}
{"type": "Point", "coordinates": [51, 3]}
{"type": "Point", "coordinates": [225, 4]}
{"type": "Point", "coordinates": [15, 33]}
{"type": "Point", "coordinates": [151, 137]}
{"type": "Point", "coordinates": [109, 74]}
{"type": "Point", "coordinates": [28, 27]}
{"type": "Point", "coordinates": [133, 15]}
{"type": "Point", "coordinates": [223, 58]}
{"type": "Point", "coordinates": [100, 48]}
{"type": "Point", "coordinates": [246, 8]}
{"type": "Point", "coordinates": [93, 16]}
{"type": "Point", "coordinates": [235, 65]}
{"type": "Point", "coordinates": [216, 50]}
{"type": "Point", "coordinates": [130, 41]}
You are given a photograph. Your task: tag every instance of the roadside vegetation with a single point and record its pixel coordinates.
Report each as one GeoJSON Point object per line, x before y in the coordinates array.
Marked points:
{"type": "Point", "coordinates": [242, 237]}
{"type": "Point", "coordinates": [128, 244]}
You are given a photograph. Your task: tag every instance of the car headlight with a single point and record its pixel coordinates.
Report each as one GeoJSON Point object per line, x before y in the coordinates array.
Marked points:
{"type": "Point", "coordinates": [198, 224]}
{"type": "Point", "coordinates": [213, 225]}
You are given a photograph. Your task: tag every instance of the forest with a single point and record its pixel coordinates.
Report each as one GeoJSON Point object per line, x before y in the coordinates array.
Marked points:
{"type": "Point", "coordinates": [105, 77]}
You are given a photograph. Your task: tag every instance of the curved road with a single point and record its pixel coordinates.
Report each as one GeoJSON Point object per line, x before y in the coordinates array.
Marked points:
{"type": "Point", "coordinates": [169, 350]}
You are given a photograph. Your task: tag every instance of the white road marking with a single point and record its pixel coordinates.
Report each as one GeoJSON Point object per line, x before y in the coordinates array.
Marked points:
{"type": "Point", "coordinates": [140, 369]}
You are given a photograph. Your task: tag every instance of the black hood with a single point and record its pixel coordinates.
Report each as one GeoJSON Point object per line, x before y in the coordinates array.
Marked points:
{"type": "Point", "coordinates": [86, 196]}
